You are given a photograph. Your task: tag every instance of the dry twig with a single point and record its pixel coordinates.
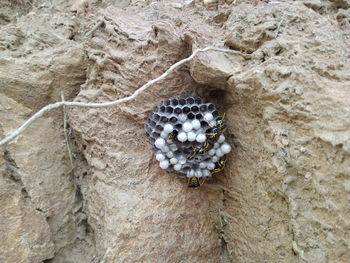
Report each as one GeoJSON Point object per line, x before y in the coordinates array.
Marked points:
{"type": "Point", "coordinates": [99, 23]}
{"type": "Point", "coordinates": [279, 25]}
{"type": "Point", "coordinates": [38, 114]}
{"type": "Point", "coordinates": [69, 149]}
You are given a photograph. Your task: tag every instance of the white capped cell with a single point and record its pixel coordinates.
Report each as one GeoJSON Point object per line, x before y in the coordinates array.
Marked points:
{"type": "Point", "coordinates": [208, 117]}
{"type": "Point", "coordinates": [212, 123]}
{"type": "Point", "coordinates": [170, 154]}
{"type": "Point", "coordinates": [221, 138]}
{"type": "Point", "coordinates": [173, 147]}
{"type": "Point", "coordinates": [168, 128]}
{"type": "Point", "coordinates": [211, 152]}
{"type": "Point", "coordinates": [196, 124]}
{"type": "Point", "coordinates": [173, 160]}
{"type": "Point", "coordinates": [190, 173]}
{"type": "Point", "coordinates": [216, 145]}
{"type": "Point", "coordinates": [182, 137]}
{"type": "Point", "coordinates": [187, 127]}
{"type": "Point", "coordinates": [198, 173]}
{"type": "Point", "coordinates": [205, 172]}
{"type": "Point", "coordinates": [182, 160]}
{"type": "Point", "coordinates": [165, 149]}
{"type": "Point", "coordinates": [164, 135]}
{"type": "Point", "coordinates": [210, 166]}
{"type": "Point", "coordinates": [182, 117]}
{"type": "Point", "coordinates": [164, 164]}
{"type": "Point", "coordinates": [191, 136]}
{"type": "Point", "coordinates": [201, 138]}
{"type": "Point", "coordinates": [219, 153]}
{"type": "Point", "coordinates": [225, 148]}
{"type": "Point", "coordinates": [160, 157]}
{"type": "Point", "coordinates": [159, 143]}
{"type": "Point", "coordinates": [203, 165]}
{"type": "Point", "coordinates": [177, 167]}
{"type": "Point", "coordinates": [215, 159]}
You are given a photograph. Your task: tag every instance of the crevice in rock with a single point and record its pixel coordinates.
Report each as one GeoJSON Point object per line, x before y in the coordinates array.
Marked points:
{"type": "Point", "coordinates": [50, 260]}
{"type": "Point", "coordinates": [13, 172]}
{"type": "Point", "coordinates": [325, 8]}
{"type": "Point", "coordinates": [225, 256]}
{"type": "Point", "coordinates": [12, 9]}
{"type": "Point", "coordinates": [11, 168]}
{"type": "Point", "coordinates": [85, 234]}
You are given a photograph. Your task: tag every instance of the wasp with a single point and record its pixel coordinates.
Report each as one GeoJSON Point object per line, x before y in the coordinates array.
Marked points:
{"type": "Point", "coordinates": [199, 150]}
{"type": "Point", "coordinates": [195, 181]}
{"type": "Point", "coordinates": [214, 131]}
{"type": "Point", "coordinates": [172, 135]}
{"type": "Point", "coordinates": [219, 166]}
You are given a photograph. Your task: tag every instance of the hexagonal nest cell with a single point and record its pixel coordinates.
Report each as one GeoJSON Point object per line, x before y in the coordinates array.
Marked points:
{"type": "Point", "coordinates": [187, 135]}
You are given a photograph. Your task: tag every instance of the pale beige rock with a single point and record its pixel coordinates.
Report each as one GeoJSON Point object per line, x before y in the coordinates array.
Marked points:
{"type": "Point", "coordinates": [38, 164]}
{"type": "Point", "coordinates": [284, 194]}
{"type": "Point", "coordinates": [139, 212]}
{"type": "Point", "coordinates": [290, 117]}
{"type": "Point", "coordinates": [10, 10]}
{"type": "Point", "coordinates": [25, 234]}
{"type": "Point", "coordinates": [261, 196]}
{"type": "Point", "coordinates": [43, 68]}
{"type": "Point", "coordinates": [38, 62]}
{"type": "Point", "coordinates": [214, 68]}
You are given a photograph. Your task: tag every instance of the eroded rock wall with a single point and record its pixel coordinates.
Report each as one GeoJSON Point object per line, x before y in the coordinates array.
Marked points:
{"type": "Point", "coordinates": [39, 62]}
{"type": "Point", "coordinates": [284, 194]}
{"type": "Point", "coordinates": [289, 114]}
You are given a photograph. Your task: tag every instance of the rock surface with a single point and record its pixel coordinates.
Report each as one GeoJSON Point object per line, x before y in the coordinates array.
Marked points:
{"type": "Point", "coordinates": [284, 195]}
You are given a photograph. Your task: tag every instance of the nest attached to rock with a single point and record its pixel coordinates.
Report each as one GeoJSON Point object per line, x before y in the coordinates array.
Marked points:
{"type": "Point", "coordinates": [187, 135]}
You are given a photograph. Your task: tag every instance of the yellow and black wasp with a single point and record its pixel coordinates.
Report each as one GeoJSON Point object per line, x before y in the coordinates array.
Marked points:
{"type": "Point", "coordinates": [199, 149]}
{"type": "Point", "coordinates": [195, 181]}
{"type": "Point", "coordinates": [214, 131]}
{"type": "Point", "coordinates": [172, 135]}
{"type": "Point", "coordinates": [219, 166]}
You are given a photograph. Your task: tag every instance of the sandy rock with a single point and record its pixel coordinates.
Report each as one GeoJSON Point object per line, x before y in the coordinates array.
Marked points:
{"type": "Point", "coordinates": [284, 194]}
{"type": "Point", "coordinates": [214, 68]}
{"type": "Point", "coordinates": [150, 216]}
{"type": "Point", "coordinates": [39, 164]}
{"type": "Point", "coordinates": [291, 111]}
{"type": "Point", "coordinates": [26, 236]}
{"type": "Point", "coordinates": [38, 62]}
{"type": "Point", "coordinates": [43, 64]}
{"type": "Point", "coordinates": [11, 10]}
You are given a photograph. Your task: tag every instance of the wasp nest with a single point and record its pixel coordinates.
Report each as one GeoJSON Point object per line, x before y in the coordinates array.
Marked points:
{"type": "Point", "coordinates": [187, 134]}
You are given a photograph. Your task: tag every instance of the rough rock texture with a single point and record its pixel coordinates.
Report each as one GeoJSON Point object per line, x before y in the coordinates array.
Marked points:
{"type": "Point", "coordinates": [138, 212]}
{"type": "Point", "coordinates": [25, 234]}
{"type": "Point", "coordinates": [292, 104]}
{"type": "Point", "coordinates": [12, 9]}
{"type": "Point", "coordinates": [38, 62]}
{"type": "Point", "coordinates": [284, 196]}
